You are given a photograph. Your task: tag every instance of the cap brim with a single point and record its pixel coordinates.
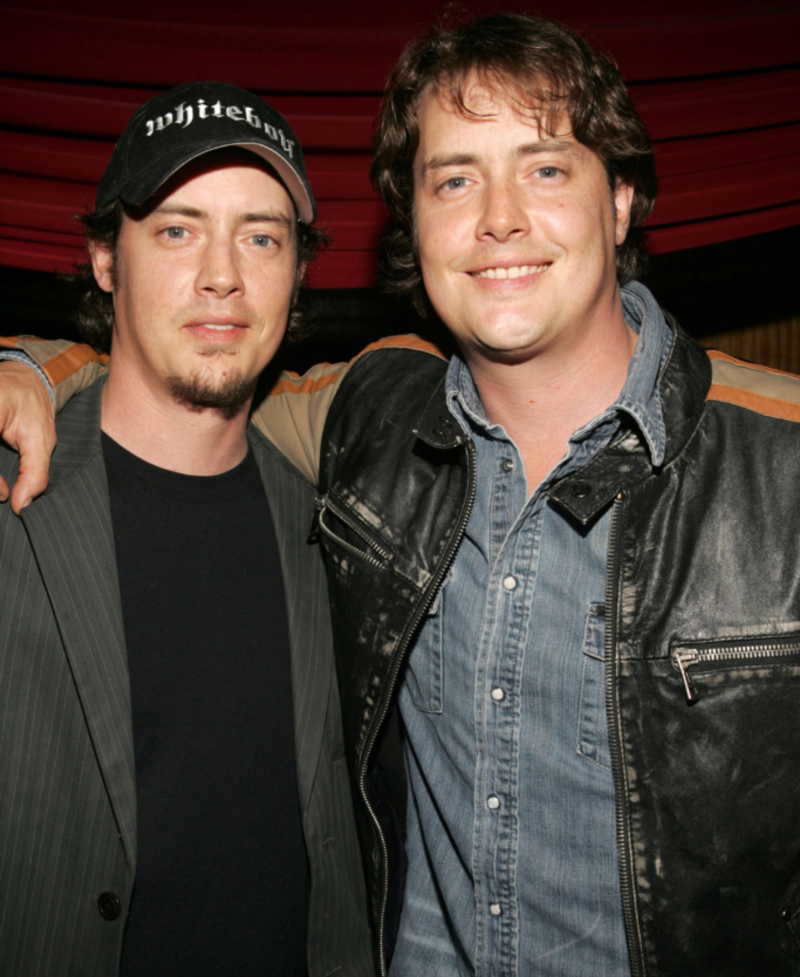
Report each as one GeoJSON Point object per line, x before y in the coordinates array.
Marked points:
{"type": "Point", "coordinates": [306, 207]}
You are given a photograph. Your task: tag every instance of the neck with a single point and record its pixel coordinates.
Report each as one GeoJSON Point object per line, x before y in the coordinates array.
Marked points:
{"type": "Point", "coordinates": [161, 431]}
{"type": "Point", "coordinates": [542, 400]}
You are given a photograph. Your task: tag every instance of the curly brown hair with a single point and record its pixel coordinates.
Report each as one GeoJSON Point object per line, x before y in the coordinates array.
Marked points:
{"type": "Point", "coordinates": [94, 312]}
{"type": "Point", "coordinates": [543, 67]}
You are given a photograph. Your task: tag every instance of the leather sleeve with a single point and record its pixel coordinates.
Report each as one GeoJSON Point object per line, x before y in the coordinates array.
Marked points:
{"type": "Point", "coordinates": [294, 412]}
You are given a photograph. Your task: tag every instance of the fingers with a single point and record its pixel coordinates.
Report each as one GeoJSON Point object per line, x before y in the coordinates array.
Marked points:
{"type": "Point", "coordinates": [34, 468]}
{"type": "Point", "coordinates": [27, 424]}
{"type": "Point", "coordinates": [3, 489]}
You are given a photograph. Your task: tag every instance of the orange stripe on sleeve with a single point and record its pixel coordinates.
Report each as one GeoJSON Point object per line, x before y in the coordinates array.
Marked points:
{"type": "Point", "coordinates": [70, 361]}
{"type": "Point", "coordinates": [769, 406]}
{"type": "Point", "coordinates": [317, 379]}
{"type": "Point", "coordinates": [404, 342]}
{"type": "Point", "coordinates": [308, 386]}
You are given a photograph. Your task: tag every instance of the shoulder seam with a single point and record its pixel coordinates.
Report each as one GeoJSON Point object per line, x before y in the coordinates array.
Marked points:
{"type": "Point", "coordinates": [758, 403]}
{"type": "Point", "coordinates": [308, 384]}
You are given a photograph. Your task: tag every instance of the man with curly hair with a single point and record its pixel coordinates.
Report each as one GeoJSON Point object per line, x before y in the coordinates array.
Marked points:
{"type": "Point", "coordinates": [562, 564]}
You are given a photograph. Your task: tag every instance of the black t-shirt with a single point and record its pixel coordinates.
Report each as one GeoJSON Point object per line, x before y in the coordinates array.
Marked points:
{"type": "Point", "coordinates": [221, 878]}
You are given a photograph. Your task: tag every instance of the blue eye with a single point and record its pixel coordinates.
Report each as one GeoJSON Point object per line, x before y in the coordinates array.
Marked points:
{"type": "Point", "coordinates": [456, 183]}
{"type": "Point", "coordinates": [548, 172]}
{"type": "Point", "coordinates": [176, 233]}
{"type": "Point", "coordinates": [262, 240]}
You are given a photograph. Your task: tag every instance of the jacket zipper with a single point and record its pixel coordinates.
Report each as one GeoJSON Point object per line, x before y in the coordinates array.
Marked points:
{"type": "Point", "coordinates": [753, 649]}
{"type": "Point", "coordinates": [615, 740]}
{"type": "Point", "coordinates": [389, 692]}
{"type": "Point", "coordinates": [348, 520]}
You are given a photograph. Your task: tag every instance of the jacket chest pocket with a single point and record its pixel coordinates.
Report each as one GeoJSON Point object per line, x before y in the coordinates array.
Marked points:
{"type": "Point", "coordinates": [345, 537]}
{"type": "Point", "coordinates": [706, 665]}
{"type": "Point", "coordinates": [592, 722]}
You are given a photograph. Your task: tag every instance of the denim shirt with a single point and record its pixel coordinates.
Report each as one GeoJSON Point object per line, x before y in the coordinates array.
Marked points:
{"type": "Point", "coordinates": [511, 843]}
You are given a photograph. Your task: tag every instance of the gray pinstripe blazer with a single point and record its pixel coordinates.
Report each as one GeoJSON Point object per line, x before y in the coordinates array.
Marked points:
{"type": "Point", "coordinates": [67, 780]}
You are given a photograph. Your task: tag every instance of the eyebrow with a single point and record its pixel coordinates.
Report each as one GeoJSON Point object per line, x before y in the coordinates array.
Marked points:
{"type": "Point", "coordinates": [561, 146]}
{"type": "Point", "coordinates": [265, 217]}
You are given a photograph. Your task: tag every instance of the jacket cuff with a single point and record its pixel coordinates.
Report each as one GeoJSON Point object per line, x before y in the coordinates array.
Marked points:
{"type": "Point", "coordinates": [20, 357]}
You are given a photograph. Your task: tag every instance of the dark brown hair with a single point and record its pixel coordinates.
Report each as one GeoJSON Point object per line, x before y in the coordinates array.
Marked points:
{"type": "Point", "coordinates": [543, 67]}
{"type": "Point", "coordinates": [94, 313]}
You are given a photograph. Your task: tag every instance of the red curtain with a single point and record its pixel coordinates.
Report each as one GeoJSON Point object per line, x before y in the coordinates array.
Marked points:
{"type": "Point", "coordinates": [718, 84]}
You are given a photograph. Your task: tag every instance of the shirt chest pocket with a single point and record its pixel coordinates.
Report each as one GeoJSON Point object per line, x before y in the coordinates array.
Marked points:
{"type": "Point", "coordinates": [425, 666]}
{"type": "Point", "coordinates": [592, 721]}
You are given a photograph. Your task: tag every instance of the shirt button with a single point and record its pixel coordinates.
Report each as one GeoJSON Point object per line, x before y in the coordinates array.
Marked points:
{"type": "Point", "coordinates": [508, 465]}
{"type": "Point", "coordinates": [509, 582]}
{"type": "Point", "coordinates": [495, 908]}
{"type": "Point", "coordinates": [498, 695]}
{"type": "Point", "coordinates": [109, 905]}
{"type": "Point", "coordinates": [493, 802]}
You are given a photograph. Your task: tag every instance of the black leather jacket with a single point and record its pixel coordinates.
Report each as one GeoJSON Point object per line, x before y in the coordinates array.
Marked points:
{"type": "Point", "coordinates": [702, 639]}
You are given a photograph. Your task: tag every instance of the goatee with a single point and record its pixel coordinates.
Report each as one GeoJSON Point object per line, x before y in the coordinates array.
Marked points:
{"type": "Point", "coordinates": [227, 397]}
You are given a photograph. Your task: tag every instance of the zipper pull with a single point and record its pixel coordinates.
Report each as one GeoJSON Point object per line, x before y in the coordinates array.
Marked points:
{"type": "Point", "coordinates": [313, 529]}
{"type": "Point", "coordinates": [682, 660]}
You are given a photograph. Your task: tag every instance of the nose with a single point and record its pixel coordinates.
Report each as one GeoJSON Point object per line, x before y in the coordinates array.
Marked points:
{"type": "Point", "coordinates": [219, 273]}
{"type": "Point", "coordinates": [503, 214]}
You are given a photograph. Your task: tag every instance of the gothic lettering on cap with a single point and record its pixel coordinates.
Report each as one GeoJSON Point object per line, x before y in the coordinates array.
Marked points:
{"type": "Point", "coordinates": [286, 143]}
{"type": "Point", "coordinates": [181, 111]}
{"type": "Point", "coordinates": [184, 116]}
{"type": "Point", "coordinates": [252, 118]}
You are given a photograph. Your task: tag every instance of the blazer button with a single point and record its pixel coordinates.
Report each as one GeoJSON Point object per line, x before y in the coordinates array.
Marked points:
{"type": "Point", "coordinates": [109, 905]}
{"type": "Point", "coordinates": [579, 490]}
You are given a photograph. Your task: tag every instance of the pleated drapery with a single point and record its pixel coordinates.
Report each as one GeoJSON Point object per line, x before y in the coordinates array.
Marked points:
{"type": "Point", "coordinates": [718, 84]}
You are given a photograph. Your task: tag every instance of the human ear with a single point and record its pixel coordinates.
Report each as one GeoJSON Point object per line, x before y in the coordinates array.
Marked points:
{"type": "Point", "coordinates": [623, 202]}
{"type": "Point", "coordinates": [102, 258]}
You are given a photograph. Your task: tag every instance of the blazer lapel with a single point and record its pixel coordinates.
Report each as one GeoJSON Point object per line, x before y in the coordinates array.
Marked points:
{"type": "Point", "coordinates": [291, 502]}
{"type": "Point", "coordinates": [71, 534]}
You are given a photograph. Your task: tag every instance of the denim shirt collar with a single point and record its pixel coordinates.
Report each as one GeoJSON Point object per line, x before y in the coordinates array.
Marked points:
{"type": "Point", "coordinates": [640, 398]}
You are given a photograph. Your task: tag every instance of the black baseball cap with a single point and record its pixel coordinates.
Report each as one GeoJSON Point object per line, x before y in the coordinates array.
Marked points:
{"type": "Point", "coordinates": [183, 123]}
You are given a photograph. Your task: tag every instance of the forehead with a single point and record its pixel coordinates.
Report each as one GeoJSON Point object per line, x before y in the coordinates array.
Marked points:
{"type": "Point", "coordinates": [226, 181]}
{"type": "Point", "coordinates": [486, 106]}
{"type": "Point", "coordinates": [487, 121]}
{"type": "Point", "coordinates": [483, 97]}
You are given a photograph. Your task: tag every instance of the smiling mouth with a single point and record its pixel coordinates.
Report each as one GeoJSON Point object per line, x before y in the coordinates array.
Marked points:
{"type": "Point", "coordinates": [515, 271]}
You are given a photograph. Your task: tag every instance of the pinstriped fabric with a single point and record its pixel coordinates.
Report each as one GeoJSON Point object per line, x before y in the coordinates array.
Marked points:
{"type": "Point", "coordinates": [69, 528]}
{"type": "Point", "coordinates": [59, 836]}
{"type": "Point", "coordinates": [338, 936]}
{"type": "Point", "coordinates": [67, 787]}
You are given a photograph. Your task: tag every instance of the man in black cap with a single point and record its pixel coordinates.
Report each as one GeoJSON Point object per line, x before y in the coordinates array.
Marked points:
{"type": "Point", "coordinates": [165, 649]}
